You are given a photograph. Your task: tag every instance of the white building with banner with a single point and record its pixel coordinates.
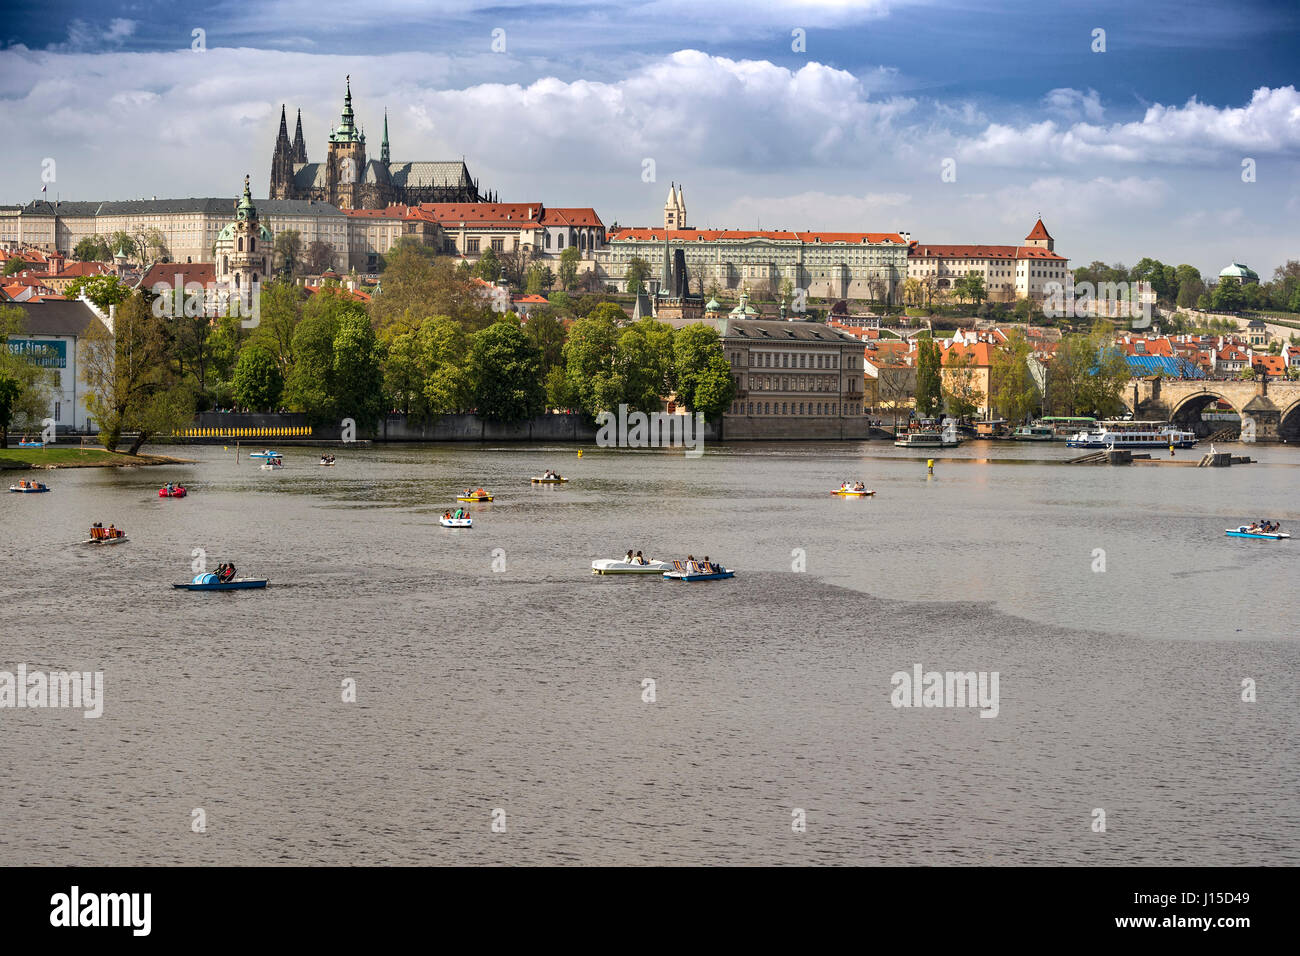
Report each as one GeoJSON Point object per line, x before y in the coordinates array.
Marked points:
{"type": "Point", "coordinates": [51, 332]}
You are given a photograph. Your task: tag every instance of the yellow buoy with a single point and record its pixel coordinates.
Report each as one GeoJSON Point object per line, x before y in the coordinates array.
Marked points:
{"type": "Point", "coordinates": [579, 452]}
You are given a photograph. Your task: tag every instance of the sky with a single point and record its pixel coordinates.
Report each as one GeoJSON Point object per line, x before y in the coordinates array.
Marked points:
{"type": "Point", "coordinates": [1165, 128]}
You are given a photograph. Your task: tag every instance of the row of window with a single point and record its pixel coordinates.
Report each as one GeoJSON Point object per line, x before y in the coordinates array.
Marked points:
{"type": "Point", "coordinates": [790, 360]}
{"type": "Point", "coordinates": [802, 383]}
{"type": "Point", "coordinates": [793, 408]}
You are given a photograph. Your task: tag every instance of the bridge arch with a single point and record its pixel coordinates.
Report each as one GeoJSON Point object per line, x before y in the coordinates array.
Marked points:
{"type": "Point", "coordinates": [1186, 411]}
{"type": "Point", "coordinates": [1288, 426]}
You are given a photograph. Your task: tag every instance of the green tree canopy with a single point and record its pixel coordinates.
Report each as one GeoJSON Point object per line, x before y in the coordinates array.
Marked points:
{"type": "Point", "coordinates": [505, 371]}
{"type": "Point", "coordinates": [258, 381]}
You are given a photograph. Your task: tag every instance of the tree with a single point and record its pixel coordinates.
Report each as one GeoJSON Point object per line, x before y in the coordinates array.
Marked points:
{"type": "Point", "coordinates": [133, 385]}
{"type": "Point", "coordinates": [319, 258]}
{"type": "Point", "coordinates": [540, 278]}
{"type": "Point", "coordinates": [104, 291]}
{"type": "Point", "coordinates": [701, 371]}
{"type": "Point", "coordinates": [913, 291]}
{"type": "Point", "coordinates": [92, 249]}
{"type": "Point", "coordinates": [1227, 295]}
{"type": "Point", "coordinates": [505, 370]}
{"type": "Point", "coordinates": [488, 268]}
{"type": "Point", "coordinates": [288, 251]}
{"type": "Point", "coordinates": [14, 266]}
{"type": "Point", "coordinates": [637, 270]}
{"type": "Point", "coordinates": [1015, 393]}
{"type": "Point", "coordinates": [970, 288]}
{"type": "Point", "coordinates": [547, 334]}
{"type": "Point", "coordinates": [589, 362]}
{"type": "Point", "coordinates": [569, 260]}
{"type": "Point", "coordinates": [960, 393]}
{"type": "Point", "coordinates": [416, 286]}
{"type": "Point", "coordinates": [929, 378]}
{"type": "Point", "coordinates": [257, 380]}
{"type": "Point", "coordinates": [281, 306]}
{"type": "Point", "coordinates": [356, 374]}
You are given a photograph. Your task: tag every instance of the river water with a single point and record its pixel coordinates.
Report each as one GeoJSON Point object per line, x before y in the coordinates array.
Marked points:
{"type": "Point", "coordinates": [493, 672]}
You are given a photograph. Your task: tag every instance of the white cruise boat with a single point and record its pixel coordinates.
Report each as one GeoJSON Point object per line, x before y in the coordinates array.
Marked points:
{"type": "Point", "coordinates": [1132, 435]}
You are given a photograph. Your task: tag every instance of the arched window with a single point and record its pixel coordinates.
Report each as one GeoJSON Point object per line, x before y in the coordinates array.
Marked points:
{"type": "Point", "coordinates": [548, 240]}
{"type": "Point", "coordinates": [252, 244]}
{"type": "Point", "coordinates": [239, 247]}
{"type": "Point", "coordinates": [559, 241]}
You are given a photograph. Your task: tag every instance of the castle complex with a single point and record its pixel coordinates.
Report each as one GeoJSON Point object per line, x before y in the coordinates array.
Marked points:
{"type": "Point", "coordinates": [348, 180]}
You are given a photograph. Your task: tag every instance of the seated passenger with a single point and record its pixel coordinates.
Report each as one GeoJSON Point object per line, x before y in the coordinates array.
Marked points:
{"type": "Point", "coordinates": [640, 559]}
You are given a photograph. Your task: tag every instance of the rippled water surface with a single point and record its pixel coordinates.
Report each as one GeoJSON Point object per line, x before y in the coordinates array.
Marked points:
{"type": "Point", "coordinates": [521, 688]}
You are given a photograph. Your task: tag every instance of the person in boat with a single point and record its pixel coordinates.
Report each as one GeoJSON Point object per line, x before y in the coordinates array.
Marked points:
{"type": "Point", "coordinates": [690, 563]}
{"type": "Point", "coordinates": [480, 493]}
{"type": "Point", "coordinates": [627, 559]}
{"type": "Point", "coordinates": [640, 559]}
{"type": "Point", "coordinates": [226, 572]}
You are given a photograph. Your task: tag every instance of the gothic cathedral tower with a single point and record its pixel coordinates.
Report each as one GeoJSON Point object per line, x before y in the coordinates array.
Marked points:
{"type": "Point", "coordinates": [346, 165]}
{"type": "Point", "coordinates": [282, 161]}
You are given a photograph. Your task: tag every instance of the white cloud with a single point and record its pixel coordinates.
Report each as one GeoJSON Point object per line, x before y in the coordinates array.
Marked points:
{"type": "Point", "coordinates": [1195, 133]}
{"type": "Point", "coordinates": [1073, 105]}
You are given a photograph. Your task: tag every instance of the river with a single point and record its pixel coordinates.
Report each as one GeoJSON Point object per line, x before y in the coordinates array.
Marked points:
{"type": "Point", "coordinates": [493, 672]}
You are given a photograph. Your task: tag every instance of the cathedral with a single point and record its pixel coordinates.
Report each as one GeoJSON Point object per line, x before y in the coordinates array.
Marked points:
{"type": "Point", "coordinates": [348, 180]}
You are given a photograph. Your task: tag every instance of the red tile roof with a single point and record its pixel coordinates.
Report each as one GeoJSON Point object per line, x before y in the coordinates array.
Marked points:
{"type": "Point", "coordinates": [573, 217]}
{"type": "Point", "coordinates": [1038, 232]}
{"type": "Point", "coordinates": [483, 213]}
{"type": "Point", "coordinates": [165, 273]}
{"type": "Point", "coordinates": [920, 251]}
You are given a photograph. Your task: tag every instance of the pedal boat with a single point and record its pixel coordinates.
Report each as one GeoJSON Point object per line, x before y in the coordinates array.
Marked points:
{"type": "Point", "coordinates": [1241, 532]}
{"type": "Point", "coordinates": [619, 566]}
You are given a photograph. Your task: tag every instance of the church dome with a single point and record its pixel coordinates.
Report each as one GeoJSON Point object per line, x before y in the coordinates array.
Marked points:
{"type": "Point", "coordinates": [1240, 273]}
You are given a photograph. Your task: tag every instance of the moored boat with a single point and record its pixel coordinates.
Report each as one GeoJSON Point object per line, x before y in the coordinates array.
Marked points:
{"type": "Point", "coordinates": [1244, 532]}
{"type": "Point", "coordinates": [1132, 435]}
{"type": "Point", "coordinates": [1034, 433]}
{"type": "Point", "coordinates": [622, 566]}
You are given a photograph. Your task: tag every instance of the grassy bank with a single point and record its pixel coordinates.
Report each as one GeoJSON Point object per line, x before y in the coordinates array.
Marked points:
{"type": "Point", "coordinates": [57, 457]}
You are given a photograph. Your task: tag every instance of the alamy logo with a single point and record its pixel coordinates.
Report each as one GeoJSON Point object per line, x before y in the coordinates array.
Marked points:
{"type": "Point", "coordinates": [56, 689]}
{"type": "Point", "coordinates": [1114, 299]}
{"type": "Point", "coordinates": [655, 430]}
{"type": "Point", "coordinates": [133, 910]}
{"type": "Point", "coordinates": [946, 689]}
{"type": "Point", "coordinates": [195, 299]}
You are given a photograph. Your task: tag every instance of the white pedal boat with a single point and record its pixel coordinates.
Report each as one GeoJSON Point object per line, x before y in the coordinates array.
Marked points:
{"type": "Point", "coordinates": [456, 522]}
{"type": "Point", "coordinates": [619, 566]}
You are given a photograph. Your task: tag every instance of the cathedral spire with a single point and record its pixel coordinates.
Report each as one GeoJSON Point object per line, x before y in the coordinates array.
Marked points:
{"type": "Point", "coordinates": [299, 144]}
{"type": "Point", "coordinates": [383, 147]}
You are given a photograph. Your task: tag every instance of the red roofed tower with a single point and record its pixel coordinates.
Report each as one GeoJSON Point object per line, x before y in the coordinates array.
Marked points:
{"type": "Point", "coordinates": [1039, 237]}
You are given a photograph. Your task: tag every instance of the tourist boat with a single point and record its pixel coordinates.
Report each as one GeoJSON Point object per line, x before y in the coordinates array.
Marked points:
{"type": "Point", "coordinates": [264, 454]}
{"type": "Point", "coordinates": [927, 438]}
{"type": "Point", "coordinates": [31, 444]}
{"type": "Point", "coordinates": [177, 492]}
{"type": "Point", "coordinates": [473, 497]}
{"type": "Point", "coordinates": [1034, 433]}
{"type": "Point", "coordinates": [680, 572]}
{"type": "Point", "coordinates": [117, 539]}
{"type": "Point", "coordinates": [237, 584]}
{"type": "Point", "coordinates": [548, 481]}
{"type": "Point", "coordinates": [456, 522]}
{"type": "Point", "coordinates": [620, 566]}
{"type": "Point", "coordinates": [1242, 532]}
{"type": "Point", "coordinates": [849, 493]}
{"type": "Point", "coordinates": [30, 487]}
{"type": "Point", "coordinates": [1132, 435]}
{"type": "Point", "coordinates": [272, 464]}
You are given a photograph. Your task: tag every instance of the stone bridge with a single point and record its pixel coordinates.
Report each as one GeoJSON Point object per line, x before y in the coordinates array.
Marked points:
{"type": "Point", "coordinates": [1269, 410]}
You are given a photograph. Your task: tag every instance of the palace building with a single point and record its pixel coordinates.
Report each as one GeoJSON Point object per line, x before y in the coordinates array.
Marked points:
{"type": "Point", "coordinates": [349, 179]}
{"type": "Point", "coordinates": [1009, 272]}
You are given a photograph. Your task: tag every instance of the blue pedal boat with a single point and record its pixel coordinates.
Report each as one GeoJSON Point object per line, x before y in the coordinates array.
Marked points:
{"type": "Point", "coordinates": [238, 584]}
{"type": "Point", "coordinates": [1243, 533]}
{"type": "Point", "coordinates": [681, 573]}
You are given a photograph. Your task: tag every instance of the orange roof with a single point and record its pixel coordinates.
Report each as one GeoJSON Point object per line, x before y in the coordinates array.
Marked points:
{"type": "Point", "coordinates": [571, 217]}
{"type": "Point", "coordinates": [1038, 232]}
{"type": "Point", "coordinates": [530, 299]}
{"type": "Point", "coordinates": [919, 251]}
{"type": "Point", "coordinates": [166, 273]}
{"type": "Point", "coordinates": [979, 353]}
{"type": "Point", "coordinates": [723, 235]}
{"type": "Point", "coordinates": [481, 213]}
{"type": "Point", "coordinates": [1271, 364]}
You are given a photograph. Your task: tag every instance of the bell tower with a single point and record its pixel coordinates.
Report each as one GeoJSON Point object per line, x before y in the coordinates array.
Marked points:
{"type": "Point", "coordinates": [347, 158]}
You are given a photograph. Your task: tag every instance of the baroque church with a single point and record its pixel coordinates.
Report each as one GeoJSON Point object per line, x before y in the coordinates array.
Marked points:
{"type": "Point", "coordinates": [348, 180]}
